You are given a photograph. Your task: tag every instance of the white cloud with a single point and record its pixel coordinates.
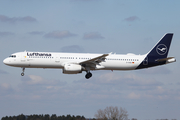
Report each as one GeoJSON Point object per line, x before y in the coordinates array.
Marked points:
{"type": "Point", "coordinates": [36, 97]}
{"type": "Point", "coordinates": [108, 85]}
{"type": "Point", "coordinates": [59, 34]}
{"type": "Point", "coordinates": [109, 77]}
{"type": "Point", "coordinates": [4, 34]}
{"type": "Point", "coordinates": [6, 90]}
{"type": "Point", "coordinates": [129, 79]}
{"type": "Point", "coordinates": [139, 81]}
{"type": "Point", "coordinates": [156, 70]}
{"type": "Point", "coordinates": [131, 18]}
{"type": "Point", "coordinates": [73, 48]}
{"type": "Point", "coordinates": [99, 96]}
{"type": "Point", "coordinates": [36, 33]}
{"type": "Point", "coordinates": [103, 88]}
{"type": "Point", "coordinates": [83, 0]}
{"type": "Point", "coordinates": [5, 86]}
{"type": "Point", "coordinates": [133, 95]}
{"type": "Point", "coordinates": [35, 80]}
{"type": "Point", "coordinates": [92, 36]}
{"type": "Point", "coordinates": [3, 72]}
{"type": "Point", "coordinates": [7, 19]}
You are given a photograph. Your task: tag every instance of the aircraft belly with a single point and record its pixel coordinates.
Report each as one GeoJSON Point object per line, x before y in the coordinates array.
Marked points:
{"type": "Point", "coordinates": [45, 65]}
{"type": "Point", "coordinates": [120, 65]}
{"type": "Point", "coordinates": [41, 64]}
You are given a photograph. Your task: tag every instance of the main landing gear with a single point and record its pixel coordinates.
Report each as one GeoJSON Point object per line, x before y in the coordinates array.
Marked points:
{"type": "Point", "coordinates": [88, 75]}
{"type": "Point", "coordinates": [22, 74]}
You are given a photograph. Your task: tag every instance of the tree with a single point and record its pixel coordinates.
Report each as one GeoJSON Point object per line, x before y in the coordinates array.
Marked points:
{"type": "Point", "coordinates": [112, 113]}
{"type": "Point", "coordinates": [53, 117]}
{"type": "Point", "coordinates": [46, 117]}
{"type": "Point", "coordinates": [21, 117]}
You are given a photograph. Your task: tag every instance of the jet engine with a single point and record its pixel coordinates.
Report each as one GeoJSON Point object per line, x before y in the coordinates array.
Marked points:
{"type": "Point", "coordinates": [72, 69]}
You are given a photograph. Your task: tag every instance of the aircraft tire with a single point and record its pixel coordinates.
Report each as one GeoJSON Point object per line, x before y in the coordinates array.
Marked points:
{"type": "Point", "coordinates": [22, 74]}
{"type": "Point", "coordinates": [88, 75]}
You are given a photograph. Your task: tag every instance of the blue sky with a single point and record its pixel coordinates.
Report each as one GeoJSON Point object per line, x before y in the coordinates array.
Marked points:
{"type": "Point", "coordinates": [89, 26]}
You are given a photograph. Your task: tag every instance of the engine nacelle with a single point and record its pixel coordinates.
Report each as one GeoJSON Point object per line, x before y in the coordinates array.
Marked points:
{"type": "Point", "coordinates": [72, 69]}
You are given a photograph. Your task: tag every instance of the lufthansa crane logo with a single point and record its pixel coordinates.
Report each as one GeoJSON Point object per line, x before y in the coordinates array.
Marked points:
{"type": "Point", "coordinates": [161, 49]}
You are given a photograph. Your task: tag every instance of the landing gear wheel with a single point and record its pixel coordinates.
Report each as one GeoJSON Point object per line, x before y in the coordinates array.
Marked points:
{"type": "Point", "coordinates": [23, 69]}
{"type": "Point", "coordinates": [22, 74]}
{"type": "Point", "coordinates": [88, 75]}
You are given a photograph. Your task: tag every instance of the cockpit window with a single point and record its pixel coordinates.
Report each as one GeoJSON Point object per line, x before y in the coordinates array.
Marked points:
{"type": "Point", "coordinates": [13, 56]}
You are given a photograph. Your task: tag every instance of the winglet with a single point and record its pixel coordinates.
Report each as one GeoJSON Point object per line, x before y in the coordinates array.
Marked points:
{"type": "Point", "coordinates": [110, 53]}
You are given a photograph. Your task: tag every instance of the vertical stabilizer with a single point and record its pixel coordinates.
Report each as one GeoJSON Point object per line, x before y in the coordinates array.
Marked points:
{"type": "Point", "coordinates": [157, 53]}
{"type": "Point", "coordinates": [161, 49]}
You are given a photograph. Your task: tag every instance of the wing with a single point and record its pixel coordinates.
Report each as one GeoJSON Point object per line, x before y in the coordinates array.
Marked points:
{"type": "Point", "coordinates": [94, 62]}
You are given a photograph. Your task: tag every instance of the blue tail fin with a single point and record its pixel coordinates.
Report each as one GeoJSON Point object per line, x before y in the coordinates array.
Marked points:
{"type": "Point", "coordinates": [159, 51]}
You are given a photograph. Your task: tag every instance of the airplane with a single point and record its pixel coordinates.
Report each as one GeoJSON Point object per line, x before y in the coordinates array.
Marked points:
{"type": "Point", "coordinates": [74, 63]}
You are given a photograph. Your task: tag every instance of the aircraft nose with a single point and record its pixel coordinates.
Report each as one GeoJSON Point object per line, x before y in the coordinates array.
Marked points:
{"type": "Point", "coordinates": [5, 61]}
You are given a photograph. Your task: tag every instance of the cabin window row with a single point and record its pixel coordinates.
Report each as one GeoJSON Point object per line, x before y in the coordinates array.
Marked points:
{"type": "Point", "coordinates": [83, 58]}
{"type": "Point", "coordinates": [73, 58]}
{"type": "Point", "coordinates": [122, 59]}
{"type": "Point", "coordinates": [106, 58]}
{"type": "Point", "coordinates": [38, 57]}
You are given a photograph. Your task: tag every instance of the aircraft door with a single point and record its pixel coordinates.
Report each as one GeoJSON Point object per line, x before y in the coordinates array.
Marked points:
{"type": "Point", "coordinates": [57, 59]}
{"type": "Point", "coordinates": [145, 62]}
{"type": "Point", "coordinates": [23, 57]}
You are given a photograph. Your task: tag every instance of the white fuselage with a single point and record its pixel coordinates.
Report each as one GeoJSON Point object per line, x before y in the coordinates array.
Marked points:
{"type": "Point", "coordinates": [58, 60]}
{"type": "Point", "coordinates": [74, 63]}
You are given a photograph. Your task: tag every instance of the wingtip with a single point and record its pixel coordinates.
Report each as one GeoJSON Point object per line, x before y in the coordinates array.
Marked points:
{"type": "Point", "coordinates": [110, 53]}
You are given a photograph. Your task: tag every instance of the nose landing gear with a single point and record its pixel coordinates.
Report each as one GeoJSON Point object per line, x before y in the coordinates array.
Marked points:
{"type": "Point", "coordinates": [22, 74]}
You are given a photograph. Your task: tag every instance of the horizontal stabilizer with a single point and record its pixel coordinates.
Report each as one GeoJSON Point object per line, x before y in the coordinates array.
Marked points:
{"type": "Point", "coordinates": [164, 59]}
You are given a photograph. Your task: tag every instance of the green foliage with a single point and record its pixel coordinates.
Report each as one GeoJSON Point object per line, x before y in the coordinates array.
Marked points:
{"type": "Point", "coordinates": [44, 117]}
